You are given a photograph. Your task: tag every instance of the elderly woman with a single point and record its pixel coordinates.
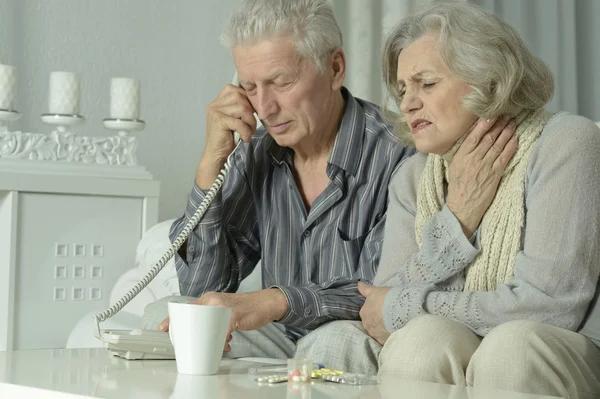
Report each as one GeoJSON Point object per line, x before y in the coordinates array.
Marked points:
{"type": "Point", "coordinates": [491, 254]}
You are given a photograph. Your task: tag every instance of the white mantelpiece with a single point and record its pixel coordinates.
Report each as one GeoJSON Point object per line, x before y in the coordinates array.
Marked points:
{"type": "Point", "coordinates": [67, 146]}
{"type": "Point", "coordinates": [68, 230]}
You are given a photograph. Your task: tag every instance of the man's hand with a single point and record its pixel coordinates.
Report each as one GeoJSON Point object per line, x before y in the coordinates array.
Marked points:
{"type": "Point", "coordinates": [250, 310]}
{"type": "Point", "coordinates": [371, 312]}
{"type": "Point", "coordinates": [230, 111]}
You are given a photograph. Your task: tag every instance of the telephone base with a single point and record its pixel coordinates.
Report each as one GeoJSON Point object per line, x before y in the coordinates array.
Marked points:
{"type": "Point", "coordinates": [130, 355]}
{"type": "Point", "coordinates": [138, 344]}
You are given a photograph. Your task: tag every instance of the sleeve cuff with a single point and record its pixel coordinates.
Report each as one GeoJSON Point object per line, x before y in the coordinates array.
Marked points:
{"type": "Point", "coordinates": [212, 214]}
{"type": "Point", "coordinates": [303, 305]}
{"type": "Point", "coordinates": [390, 298]}
{"type": "Point", "coordinates": [402, 304]}
{"type": "Point", "coordinates": [475, 239]}
{"type": "Point", "coordinates": [464, 246]}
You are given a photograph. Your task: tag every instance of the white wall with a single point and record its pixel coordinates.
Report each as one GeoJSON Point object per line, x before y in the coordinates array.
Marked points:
{"type": "Point", "coordinates": [172, 46]}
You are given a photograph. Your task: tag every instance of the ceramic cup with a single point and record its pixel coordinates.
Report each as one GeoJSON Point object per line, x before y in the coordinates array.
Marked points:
{"type": "Point", "coordinates": [198, 334]}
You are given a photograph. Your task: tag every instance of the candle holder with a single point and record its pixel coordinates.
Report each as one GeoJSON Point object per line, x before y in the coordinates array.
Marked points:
{"type": "Point", "coordinates": [8, 115]}
{"type": "Point", "coordinates": [62, 121]}
{"type": "Point", "coordinates": [127, 144]}
{"type": "Point", "coordinates": [124, 126]}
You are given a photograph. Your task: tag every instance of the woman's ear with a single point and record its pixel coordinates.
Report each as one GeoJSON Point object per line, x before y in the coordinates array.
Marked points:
{"type": "Point", "coordinates": [337, 68]}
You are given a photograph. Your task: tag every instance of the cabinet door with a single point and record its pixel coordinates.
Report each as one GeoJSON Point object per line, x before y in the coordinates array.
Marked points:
{"type": "Point", "coordinates": [71, 249]}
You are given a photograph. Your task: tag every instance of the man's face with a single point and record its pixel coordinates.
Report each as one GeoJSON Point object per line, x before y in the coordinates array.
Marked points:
{"type": "Point", "coordinates": [289, 94]}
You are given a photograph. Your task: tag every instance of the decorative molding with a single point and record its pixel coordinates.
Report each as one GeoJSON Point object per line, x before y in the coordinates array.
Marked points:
{"type": "Point", "coordinates": [65, 146]}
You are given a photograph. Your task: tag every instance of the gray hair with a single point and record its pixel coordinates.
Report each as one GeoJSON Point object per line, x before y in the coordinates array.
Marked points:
{"type": "Point", "coordinates": [309, 23]}
{"type": "Point", "coordinates": [481, 50]}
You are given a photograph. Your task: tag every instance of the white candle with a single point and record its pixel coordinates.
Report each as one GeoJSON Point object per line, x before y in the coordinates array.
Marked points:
{"type": "Point", "coordinates": [8, 86]}
{"type": "Point", "coordinates": [124, 98]}
{"type": "Point", "coordinates": [64, 93]}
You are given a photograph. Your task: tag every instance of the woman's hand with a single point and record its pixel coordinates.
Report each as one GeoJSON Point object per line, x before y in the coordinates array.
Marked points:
{"type": "Point", "coordinates": [371, 312]}
{"type": "Point", "coordinates": [476, 170]}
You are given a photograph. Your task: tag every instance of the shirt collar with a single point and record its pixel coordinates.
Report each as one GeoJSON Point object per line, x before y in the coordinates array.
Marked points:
{"type": "Point", "coordinates": [347, 147]}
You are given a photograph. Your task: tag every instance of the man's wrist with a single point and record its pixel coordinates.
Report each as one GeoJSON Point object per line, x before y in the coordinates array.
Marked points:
{"type": "Point", "coordinates": [279, 303]}
{"type": "Point", "coordinates": [208, 170]}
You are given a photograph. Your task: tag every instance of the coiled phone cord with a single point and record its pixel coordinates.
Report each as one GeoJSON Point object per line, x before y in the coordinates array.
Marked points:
{"type": "Point", "coordinates": [177, 243]}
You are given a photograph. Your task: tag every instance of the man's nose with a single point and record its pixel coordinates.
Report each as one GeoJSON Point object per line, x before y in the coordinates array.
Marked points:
{"type": "Point", "coordinates": [265, 104]}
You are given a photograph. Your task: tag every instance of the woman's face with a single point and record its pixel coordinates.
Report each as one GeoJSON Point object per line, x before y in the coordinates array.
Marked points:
{"type": "Point", "coordinates": [432, 97]}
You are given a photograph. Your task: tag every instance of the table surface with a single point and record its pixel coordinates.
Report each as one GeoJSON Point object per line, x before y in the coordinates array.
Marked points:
{"type": "Point", "coordinates": [72, 373]}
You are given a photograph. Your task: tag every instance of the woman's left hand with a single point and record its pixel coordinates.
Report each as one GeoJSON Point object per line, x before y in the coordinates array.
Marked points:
{"type": "Point", "coordinates": [371, 312]}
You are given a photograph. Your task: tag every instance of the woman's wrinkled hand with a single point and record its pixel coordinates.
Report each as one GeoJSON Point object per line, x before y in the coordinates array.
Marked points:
{"type": "Point", "coordinates": [477, 168]}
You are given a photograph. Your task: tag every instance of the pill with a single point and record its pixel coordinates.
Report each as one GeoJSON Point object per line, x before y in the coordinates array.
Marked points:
{"type": "Point", "coordinates": [296, 378]}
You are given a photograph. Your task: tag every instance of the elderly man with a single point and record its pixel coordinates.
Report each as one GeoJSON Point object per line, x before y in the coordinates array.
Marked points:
{"type": "Point", "coordinates": [307, 193]}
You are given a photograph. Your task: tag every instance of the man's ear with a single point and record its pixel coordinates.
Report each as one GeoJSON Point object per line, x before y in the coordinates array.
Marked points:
{"type": "Point", "coordinates": [337, 68]}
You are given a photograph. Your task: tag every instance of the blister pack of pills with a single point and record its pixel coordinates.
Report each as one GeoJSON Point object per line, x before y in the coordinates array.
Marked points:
{"type": "Point", "coordinates": [352, 379]}
{"type": "Point", "coordinates": [271, 379]}
{"type": "Point", "coordinates": [319, 374]}
{"type": "Point", "coordinates": [302, 371]}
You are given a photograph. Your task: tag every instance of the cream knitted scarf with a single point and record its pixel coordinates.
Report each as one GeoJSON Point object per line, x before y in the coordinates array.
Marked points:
{"type": "Point", "coordinates": [500, 228]}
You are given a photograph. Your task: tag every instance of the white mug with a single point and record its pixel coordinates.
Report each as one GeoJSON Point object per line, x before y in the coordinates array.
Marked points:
{"type": "Point", "coordinates": [198, 334]}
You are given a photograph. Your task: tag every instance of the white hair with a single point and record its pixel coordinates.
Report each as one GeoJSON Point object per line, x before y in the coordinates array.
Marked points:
{"type": "Point", "coordinates": [480, 49]}
{"type": "Point", "coordinates": [309, 23]}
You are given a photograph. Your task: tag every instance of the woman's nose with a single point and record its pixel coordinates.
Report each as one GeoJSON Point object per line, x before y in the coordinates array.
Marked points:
{"type": "Point", "coordinates": [410, 102]}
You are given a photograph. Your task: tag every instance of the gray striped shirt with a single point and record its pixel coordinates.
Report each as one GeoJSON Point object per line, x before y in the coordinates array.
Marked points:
{"type": "Point", "coordinates": [315, 258]}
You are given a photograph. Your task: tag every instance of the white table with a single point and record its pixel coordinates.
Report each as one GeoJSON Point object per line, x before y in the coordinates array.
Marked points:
{"type": "Point", "coordinates": [79, 373]}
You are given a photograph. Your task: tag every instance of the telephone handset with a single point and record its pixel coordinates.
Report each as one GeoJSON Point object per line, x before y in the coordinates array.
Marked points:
{"type": "Point", "coordinates": [237, 139]}
{"type": "Point", "coordinates": [137, 344]}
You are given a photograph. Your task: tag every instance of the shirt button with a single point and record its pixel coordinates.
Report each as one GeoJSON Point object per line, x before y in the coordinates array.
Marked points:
{"type": "Point", "coordinates": [307, 233]}
{"type": "Point", "coordinates": [306, 311]}
{"type": "Point", "coordinates": [191, 247]}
